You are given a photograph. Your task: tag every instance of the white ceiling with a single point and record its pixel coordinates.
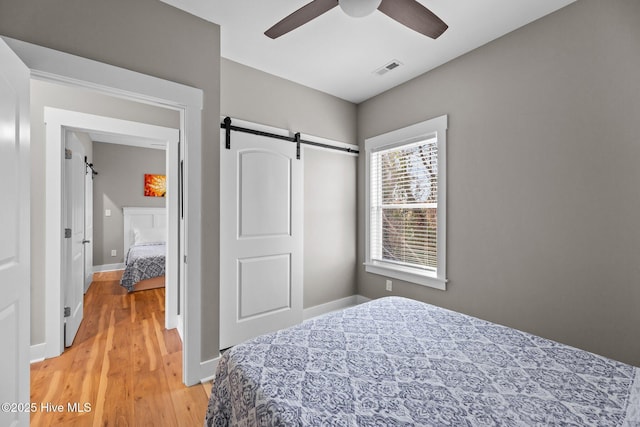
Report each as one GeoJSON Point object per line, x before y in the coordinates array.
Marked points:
{"type": "Point", "coordinates": [338, 55]}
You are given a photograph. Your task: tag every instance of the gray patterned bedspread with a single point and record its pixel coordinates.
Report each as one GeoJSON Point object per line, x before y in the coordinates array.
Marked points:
{"type": "Point", "coordinates": [144, 261]}
{"type": "Point", "coordinates": [398, 362]}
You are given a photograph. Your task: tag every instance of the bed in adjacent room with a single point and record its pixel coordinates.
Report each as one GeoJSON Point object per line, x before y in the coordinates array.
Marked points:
{"type": "Point", "coordinates": [145, 248]}
{"type": "Point", "coordinates": [400, 362]}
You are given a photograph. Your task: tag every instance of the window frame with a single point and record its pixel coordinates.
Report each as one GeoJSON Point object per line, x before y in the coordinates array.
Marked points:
{"type": "Point", "coordinates": [435, 127]}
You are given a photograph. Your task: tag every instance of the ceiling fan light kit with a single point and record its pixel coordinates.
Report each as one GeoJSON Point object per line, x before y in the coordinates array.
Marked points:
{"type": "Point", "coordinates": [409, 13]}
{"type": "Point", "coordinates": [359, 8]}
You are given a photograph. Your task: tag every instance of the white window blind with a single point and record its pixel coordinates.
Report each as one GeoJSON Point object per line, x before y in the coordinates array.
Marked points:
{"type": "Point", "coordinates": [404, 205]}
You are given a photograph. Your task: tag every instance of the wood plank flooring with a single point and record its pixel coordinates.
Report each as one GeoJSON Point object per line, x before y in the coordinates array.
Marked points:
{"type": "Point", "coordinates": [124, 368]}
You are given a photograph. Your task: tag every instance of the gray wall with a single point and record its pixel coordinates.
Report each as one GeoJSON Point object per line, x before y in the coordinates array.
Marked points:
{"type": "Point", "coordinates": [543, 201]}
{"type": "Point", "coordinates": [87, 143]}
{"type": "Point", "coordinates": [329, 226]}
{"type": "Point", "coordinates": [43, 95]}
{"type": "Point", "coordinates": [329, 177]}
{"type": "Point", "coordinates": [250, 94]}
{"type": "Point", "coordinates": [120, 183]}
{"type": "Point", "coordinates": [153, 38]}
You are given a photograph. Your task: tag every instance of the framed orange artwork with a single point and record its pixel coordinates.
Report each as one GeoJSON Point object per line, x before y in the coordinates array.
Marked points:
{"type": "Point", "coordinates": [155, 185]}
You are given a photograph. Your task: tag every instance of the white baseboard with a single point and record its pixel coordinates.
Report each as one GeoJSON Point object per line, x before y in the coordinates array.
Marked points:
{"type": "Point", "coordinates": [180, 327]}
{"type": "Point", "coordinates": [108, 267]}
{"type": "Point", "coordinates": [37, 352]}
{"type": "Point", "coordinates": [330, 306]}
{"type": "Point", "coordinates": [361, 300]}
{"type": "Point", "coordinates": [208, 369]}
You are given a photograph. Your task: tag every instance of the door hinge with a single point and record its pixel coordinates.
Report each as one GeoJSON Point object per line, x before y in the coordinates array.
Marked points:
{"type": "Point", "coordinates": [67, 312]}
{"type": "Point", "coordinates": [185, 259]}
{"type": "Point", "coordinates": [68, 154]}
{"type": "Point", "coordinates": [67, 233]}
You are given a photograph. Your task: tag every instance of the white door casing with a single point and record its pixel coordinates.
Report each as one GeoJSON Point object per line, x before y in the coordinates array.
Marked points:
{"type": "Point", "coordinates": [14, 237]}
{"type": "Point", "coordinates": [260, 237]}
{"type": "Point", "coordinates": [88, 228]}
{"type": "Point", "coordinates": [57, 120]}
{"type": "Point", "coordinates": [73, 218]}
{"type": "Point", "coordinates": [54, 66]}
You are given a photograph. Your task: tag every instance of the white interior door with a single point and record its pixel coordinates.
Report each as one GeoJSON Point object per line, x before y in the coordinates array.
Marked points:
{"type": "Point", "coordinates": [88, 228]}
{"type": "Point", "coordinates": [14, 237]}
{"type": "Point", "coordinates": [260, 237]}
{"type": "Point", "coordinates": [173, 315]}
{"type": "Point", "coordinates": [73, 217]}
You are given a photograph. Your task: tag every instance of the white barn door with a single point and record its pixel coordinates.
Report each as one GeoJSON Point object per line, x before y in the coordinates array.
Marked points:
{"type": "Point", "coordinates": [260, 237]}
{"type": "Point", "coordinates": [14, 238]}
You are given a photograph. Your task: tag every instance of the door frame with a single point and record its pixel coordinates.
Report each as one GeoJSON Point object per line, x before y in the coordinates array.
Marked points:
{"type": "Point", "coordinates": [58, 123]}
{"type": "Point", "coordinates": [58, 67]}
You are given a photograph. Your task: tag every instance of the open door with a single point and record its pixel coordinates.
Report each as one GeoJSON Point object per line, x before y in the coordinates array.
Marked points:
{"type": "Point", "coordinates": [88, 227]}
{"type": "Point", "coordinates": [260, 237]}
{"type": "Point", "coordinates": [14, 240]}
{"type": "Point", "coordinates": [73, 217]}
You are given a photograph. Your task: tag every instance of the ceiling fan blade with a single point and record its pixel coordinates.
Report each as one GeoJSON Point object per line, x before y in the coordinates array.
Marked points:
{"type": "Point", "coordinates": [300, 17]}
{"type": "Point", "coordinates": [415, 16]}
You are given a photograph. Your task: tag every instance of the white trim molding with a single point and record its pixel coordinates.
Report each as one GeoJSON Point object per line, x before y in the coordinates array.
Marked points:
{"type": "Point", "coordinates": [57, 122]}
{"type": "Point", "coordinates": [361, 300]}
{"type": "Point", "coordinates": [432, 129]}
{"type": "Point", "coordinates": [37, 352]}
{"type": "Point", "coordinates": [59, 67]}
{"type": "Point", "coordinates": [52, 65]}
{"type": "Point", "coordinates": [108, 267]}
{"type": "Point", "coordinates": [335, 305]}
{"type": "Point", "coordinates": [208, 369]}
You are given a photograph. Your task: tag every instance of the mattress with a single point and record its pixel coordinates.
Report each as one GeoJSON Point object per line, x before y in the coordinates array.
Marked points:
{"type": "Point", "coordinates": [143, 261]}
{"type": "Point", "coordinates": [399, 362]}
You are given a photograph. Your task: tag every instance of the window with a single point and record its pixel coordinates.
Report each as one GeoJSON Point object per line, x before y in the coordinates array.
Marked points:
{"type": "Point", "coordinates": [406, 202]}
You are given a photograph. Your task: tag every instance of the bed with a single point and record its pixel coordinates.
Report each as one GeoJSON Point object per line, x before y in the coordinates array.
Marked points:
{"type": "Point", "coordinates": [145, 235]}
{"type": "Point", "coordinates": [400, 362]}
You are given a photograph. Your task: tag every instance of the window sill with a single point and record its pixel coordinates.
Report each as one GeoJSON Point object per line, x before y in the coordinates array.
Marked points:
{"type": "Point", "coordinates": [407, 274]}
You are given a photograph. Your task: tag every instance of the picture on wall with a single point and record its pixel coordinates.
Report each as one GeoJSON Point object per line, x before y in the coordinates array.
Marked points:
{"type": "Point", "coordinates": [155, 185]}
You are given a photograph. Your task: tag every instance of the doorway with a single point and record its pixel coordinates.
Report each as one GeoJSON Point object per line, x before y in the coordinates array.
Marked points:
{"type": "Point", "coordinates": [50, 65]}
{"type": "Point", "coordinates": [58, 122]}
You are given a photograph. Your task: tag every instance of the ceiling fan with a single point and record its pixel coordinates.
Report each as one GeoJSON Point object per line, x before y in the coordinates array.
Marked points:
{"type": "Point", "coordinates": [407, 12]}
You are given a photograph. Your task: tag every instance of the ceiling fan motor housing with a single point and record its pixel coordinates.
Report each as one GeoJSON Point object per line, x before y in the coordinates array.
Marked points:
{"type": "Point", "coordinates": [359, 8]}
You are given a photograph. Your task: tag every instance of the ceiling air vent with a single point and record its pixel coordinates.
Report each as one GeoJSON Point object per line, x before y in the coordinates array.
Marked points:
{"type": "Point", "coordinates": [390, 66]}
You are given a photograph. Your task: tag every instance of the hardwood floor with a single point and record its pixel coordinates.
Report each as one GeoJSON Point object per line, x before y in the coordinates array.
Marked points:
{"type": "Point", "coordinates": [124, 368]}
